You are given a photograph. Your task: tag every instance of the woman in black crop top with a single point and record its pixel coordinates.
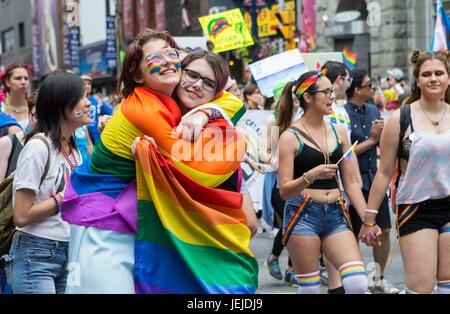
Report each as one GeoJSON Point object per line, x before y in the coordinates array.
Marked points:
{"type": "Point", "coordinates": [418, 137]}
{"type": "Point", "coordinates": [315, 216]}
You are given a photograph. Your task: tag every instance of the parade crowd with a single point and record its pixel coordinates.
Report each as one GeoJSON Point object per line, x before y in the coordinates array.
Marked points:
{"type": "Point", "coordinates": [108, 194]}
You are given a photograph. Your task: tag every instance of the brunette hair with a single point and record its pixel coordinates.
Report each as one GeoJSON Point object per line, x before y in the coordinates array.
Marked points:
{"type": "Point", "coordinates": [216, 62]}
{"type": "Point", "coordinates": [418, 58]}
{"type": "Point", "coordinates": [130, 67]}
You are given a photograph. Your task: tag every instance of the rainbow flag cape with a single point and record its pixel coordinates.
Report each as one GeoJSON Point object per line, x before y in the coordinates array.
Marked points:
{"type": "Point", "coordinates": [190, 238]}
{"type": "Point", "coordinates": [103, 194]}
{"type": "Point", "coordinates": [350, 58]}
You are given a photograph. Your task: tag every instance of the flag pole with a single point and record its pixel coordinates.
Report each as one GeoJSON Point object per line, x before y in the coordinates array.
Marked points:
{"type": "Point", "coordinates": [347, 153]}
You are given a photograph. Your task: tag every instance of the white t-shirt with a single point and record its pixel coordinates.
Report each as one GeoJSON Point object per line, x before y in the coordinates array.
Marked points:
{"type": "Point", "coordinates": [30, 168]}
{"type": "Point", "coordinates": [340, 117]}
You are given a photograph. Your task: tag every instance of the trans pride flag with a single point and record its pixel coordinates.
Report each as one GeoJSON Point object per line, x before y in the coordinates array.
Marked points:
{"type": "Point", "coordinates": [441, 30]}
{"type": "Point", "coordinates": [177, 221]}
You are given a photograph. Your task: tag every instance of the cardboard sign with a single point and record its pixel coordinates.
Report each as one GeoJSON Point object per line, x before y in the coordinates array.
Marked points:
{"type": "Point", "coordinates": [227, 30]}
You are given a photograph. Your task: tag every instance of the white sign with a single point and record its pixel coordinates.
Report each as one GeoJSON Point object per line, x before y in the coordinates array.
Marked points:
{"type": "Point", "coordinates": [251, 126]}
{"type": "Point", "coordinates": [284, 67]}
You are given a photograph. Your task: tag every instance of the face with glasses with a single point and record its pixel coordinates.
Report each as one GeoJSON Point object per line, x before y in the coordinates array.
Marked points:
{"type": "Point", "coordinates": [323, 97]}
{"type": "Point", "coordinates": [159, 67]}
{"type": "Point", "coordinates": [366, 90]}
{"type": "Point", "coordinates": [198, 85]}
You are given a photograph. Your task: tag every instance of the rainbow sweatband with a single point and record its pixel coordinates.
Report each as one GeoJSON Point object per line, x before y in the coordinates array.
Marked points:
{"type": "Point", "coordinates": [309, 82]}
{"type": "Point", "coordinates": [352, 270]}
{"type": "Point", "coordinates": [309, 280]}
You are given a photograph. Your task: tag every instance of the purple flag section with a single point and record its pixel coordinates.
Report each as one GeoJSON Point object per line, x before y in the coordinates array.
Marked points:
{"type": "Point", "coordinates": [101, 211]}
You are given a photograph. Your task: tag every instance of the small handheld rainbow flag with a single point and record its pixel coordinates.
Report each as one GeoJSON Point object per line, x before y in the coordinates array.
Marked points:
{"type": "Point", "coordinates": [350, 58]}
{"type": "Point", "coordinates": [348, 154]}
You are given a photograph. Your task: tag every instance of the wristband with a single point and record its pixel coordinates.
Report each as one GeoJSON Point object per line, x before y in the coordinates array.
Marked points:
{"type": "Point", "coordinates": [58, 205]}
{"type": "Point", "coordinates": [370, 225]}
{"type": "Point", "coordinates": [307, 180]}
{"type": "Point", "coordinates": [372, 211]}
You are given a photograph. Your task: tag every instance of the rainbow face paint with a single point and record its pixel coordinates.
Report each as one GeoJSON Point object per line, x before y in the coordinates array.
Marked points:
{"type": "Point", "coordinates": [177, 63]}
{"type": "Point", "coordinates": [153, 68]}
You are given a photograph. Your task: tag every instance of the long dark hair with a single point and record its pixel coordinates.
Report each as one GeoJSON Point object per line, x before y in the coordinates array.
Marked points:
{"type": "Point", "coordinates": [216, 62]}
{"type": "Point", "coordinates": [286, 104]}
{"type": "Point", "coordinates": [418, 58]}
{"type": "Point", "coordinates": [60, 92]}
{"type": "Point", "coordinates": [130, 67]}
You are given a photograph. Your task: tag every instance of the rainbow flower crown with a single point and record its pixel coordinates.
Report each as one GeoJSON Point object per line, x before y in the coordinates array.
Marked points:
{"type": "Point", "coordinates": [309, 82]}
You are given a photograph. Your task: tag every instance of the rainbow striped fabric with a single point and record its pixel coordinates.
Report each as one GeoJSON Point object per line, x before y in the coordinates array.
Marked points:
{"type": "Point", "coordinates": [191, 238]}
{"type": "Point", "coordinates": [309, 82]}
{"type": "Point", "coordinates": [105, 193]}
{"type": "Point", "coordinates": [350, 58]}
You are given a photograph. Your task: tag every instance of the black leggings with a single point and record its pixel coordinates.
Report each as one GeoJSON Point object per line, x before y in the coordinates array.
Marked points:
{"type": "Point", "coordinates": [278, 205]}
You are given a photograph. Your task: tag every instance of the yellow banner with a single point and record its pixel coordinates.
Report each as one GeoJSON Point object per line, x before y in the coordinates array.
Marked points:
{"type": "Point", "coordinates": [227, 30]}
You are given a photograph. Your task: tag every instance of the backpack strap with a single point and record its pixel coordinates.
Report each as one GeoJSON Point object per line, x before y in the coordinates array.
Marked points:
{"type": "Point", "coordinates": [47, 165]}
{"type": "Point", "coordinates": [405, 122]}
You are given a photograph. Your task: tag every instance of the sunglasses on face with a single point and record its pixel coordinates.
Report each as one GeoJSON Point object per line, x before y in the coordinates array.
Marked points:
{"type": "Point", "coordinates": [193, 77]}
{"type": "Point", "coordinates": [370, 85]}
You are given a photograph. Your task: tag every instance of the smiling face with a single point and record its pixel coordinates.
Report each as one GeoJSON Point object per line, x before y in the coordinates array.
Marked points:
{"type": "Point", "coordinates": [159, 67]}
{"type": "Point", "coordinates": [80, 114]}
{"type": "Point", "coordinates": [197, 86]}
{"type": "Point", "coordinates": [19, 81]}
{"type": "Point", "coordinates": [433, 79]}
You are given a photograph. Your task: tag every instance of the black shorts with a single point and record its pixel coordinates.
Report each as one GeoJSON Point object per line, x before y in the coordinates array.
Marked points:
{"type": "Point", "coordinates": [278, 204]}
{"type": "Point", "coordinates": [383, 218]}
{"type": "Point", "coordinates": [431, 214]}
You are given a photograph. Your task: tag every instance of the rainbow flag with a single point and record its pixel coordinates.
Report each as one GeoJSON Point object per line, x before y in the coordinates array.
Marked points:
{"type": "Point", "coordinates": [104, 194]}
{"type": "Point", "coordinates": [350, 58]}
{"type": "Point", "coordinates": [348, 154]}
{"type": "Point", "coordinates": [191, 239]}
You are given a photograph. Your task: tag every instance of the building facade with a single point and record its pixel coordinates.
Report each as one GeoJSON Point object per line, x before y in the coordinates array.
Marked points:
{"type": "Point", "coordinates": [382, 32]}
{"type": "Point", "coordinates": [15, 32]}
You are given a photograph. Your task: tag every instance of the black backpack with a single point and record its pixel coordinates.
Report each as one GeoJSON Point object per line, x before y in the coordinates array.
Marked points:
{"type": "Point", "coordinates": [7, 227]}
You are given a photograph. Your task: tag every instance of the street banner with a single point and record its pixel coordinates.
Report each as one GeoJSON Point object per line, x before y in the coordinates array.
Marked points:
{"type": "Point", "coordinates": [227, 30]}
{"type": "Point", "coordinates": [45, 32]}
{"type": "Point", "coordinates": [251, 126]}
{"type": "Point", "coordinates": [283, 67]}
{"type": "Point", "coordinates": [111, 49]}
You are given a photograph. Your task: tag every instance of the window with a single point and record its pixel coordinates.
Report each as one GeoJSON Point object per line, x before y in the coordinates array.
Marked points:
{"type": "Point", "coordinates": [21, 35]}
{"type": "Point", "coordinates": [8, 40]}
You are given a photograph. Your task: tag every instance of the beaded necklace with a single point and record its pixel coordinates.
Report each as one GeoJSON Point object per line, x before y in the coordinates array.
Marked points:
{"type": "Point", "coordinates": [72, 164]}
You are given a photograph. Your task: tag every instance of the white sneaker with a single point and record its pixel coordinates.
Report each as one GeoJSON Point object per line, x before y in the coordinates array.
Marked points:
{"type": "Point", "coordinates": [383, 287]}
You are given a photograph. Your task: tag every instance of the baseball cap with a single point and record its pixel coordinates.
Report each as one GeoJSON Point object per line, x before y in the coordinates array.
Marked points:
{"type": "Point", "coordinates": [396, 73]}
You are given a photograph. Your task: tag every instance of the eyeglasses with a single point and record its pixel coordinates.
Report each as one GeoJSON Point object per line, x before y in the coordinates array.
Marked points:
{"type": "Point", "coordinates": [327, 92]}
{"type": "Point", "coordinates": [349, 80]}
{"type": "Point", "coordinates": [193, 77]}
{"type": "Point", "coordinates": [158, 57]}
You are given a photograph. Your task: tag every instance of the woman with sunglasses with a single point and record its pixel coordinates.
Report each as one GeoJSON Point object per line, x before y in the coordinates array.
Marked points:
{"type": "Point", "coordinates": [16, 80]}
{"type": "Point", "coordinates": [107, 248]}
{"type": "Point", "coordinates": [315, 218]}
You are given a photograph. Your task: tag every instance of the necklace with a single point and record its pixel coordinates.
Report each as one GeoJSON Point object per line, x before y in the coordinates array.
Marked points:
{"type": "Point", "coordinates": [435, 123]}
{"type": "Point", "coordinates": [72, 164]}
{"type": "Point", "coordinates": [21, 109]}
{"type": "Point", "coordinates": [324, 152]}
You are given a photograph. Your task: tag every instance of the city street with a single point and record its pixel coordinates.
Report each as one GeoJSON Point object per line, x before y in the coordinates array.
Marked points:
{"type": "Point", "coordinates": [261, 246]}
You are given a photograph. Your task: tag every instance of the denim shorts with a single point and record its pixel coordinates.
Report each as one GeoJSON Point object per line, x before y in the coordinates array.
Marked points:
{"type": "Point", "coordinates": [316, 219]}
{"type": "Point", "coordinates": [36, 265]}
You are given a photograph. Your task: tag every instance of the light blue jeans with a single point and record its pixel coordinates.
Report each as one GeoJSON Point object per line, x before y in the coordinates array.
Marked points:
{"type": "Point", "coordinates": [37, 265]}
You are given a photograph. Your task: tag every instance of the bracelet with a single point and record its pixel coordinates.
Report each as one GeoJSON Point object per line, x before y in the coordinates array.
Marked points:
{"type": "Point", "coordinates": [372, 211]}
{"type": "Point", "coordinates": [58, 205]}
{"type": "Point", "coordinates": [370, 225]}
{"type": "Point", "coordinates": [307, 180]}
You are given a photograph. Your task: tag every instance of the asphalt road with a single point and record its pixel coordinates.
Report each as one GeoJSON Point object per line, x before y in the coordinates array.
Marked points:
{"type": "Point", "coordinates": [261, 246]}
